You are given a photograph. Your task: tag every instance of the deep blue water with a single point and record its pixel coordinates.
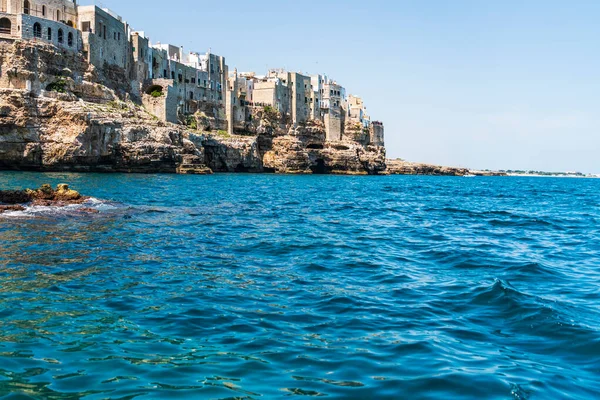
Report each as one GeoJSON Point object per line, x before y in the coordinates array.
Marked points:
{"type": "Point", "coordinates": [261, 286]}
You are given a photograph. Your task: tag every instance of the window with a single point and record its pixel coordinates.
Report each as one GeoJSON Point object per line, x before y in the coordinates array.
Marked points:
{"type": "Point", "coordinates": [57, 15]}
{"type": "Point", "coordinates": [119, 36]}
{"type": "Point", "coordinates": [104, 28]}
{"type": "Point", "coordinates": [70, 23]}
{"type": "Point", "coordinates": [173, 75]}
{"type": "Point", "coordinates": [37, 30]}
{"type": "Point", "coordinates": [191, 95]}
{"type": "Point", "coordinates": [70, 39]}
{"type": "Point", "coordinates": [26, 7]}
{"type": "Point", "coordinates": [86, 26]}
{"type": "Point", "coordinates": [43, 11]}
{"type": "Point", "coordinates": [5, 26]}
{"type": "Point", "coordinates": [114, 35]}
{"type": "Point", "coordinates": [61, 37]}
{"type": "Point", "coordinates": [164, 73]}
{"type": "Point", "coordinates": [50, 34]}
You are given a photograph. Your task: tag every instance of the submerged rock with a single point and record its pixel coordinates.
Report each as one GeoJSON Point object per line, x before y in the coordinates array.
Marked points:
{"type": "Point", "coordinates": [11, 208]}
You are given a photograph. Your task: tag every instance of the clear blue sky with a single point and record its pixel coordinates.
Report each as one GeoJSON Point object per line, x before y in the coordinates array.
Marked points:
{"type": "Point", "coordinates": [483, 84]}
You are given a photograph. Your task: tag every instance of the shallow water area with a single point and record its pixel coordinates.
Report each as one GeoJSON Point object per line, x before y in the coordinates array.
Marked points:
{"type": "Point", "coordinates": [265, 286]}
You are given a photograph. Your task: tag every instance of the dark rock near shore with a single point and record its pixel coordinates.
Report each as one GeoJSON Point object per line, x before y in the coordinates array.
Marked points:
{"type": "Point", "coordinates": [45, 196]}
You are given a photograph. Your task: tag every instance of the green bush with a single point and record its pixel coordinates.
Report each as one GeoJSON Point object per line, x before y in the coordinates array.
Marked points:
{"type": "Point", "coordinates": [156, 93]}
{"type": "Point", "coordinates": [191, 122]}
{"type": "Point", "coordinates": [58, 86]}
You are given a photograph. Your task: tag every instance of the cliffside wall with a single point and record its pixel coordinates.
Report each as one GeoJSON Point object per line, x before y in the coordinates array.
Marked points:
{"type": "Point", "coordinates": [58, 113]}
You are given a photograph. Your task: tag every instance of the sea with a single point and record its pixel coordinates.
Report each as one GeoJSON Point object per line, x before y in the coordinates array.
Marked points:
{"type": "Point", "coordinates": [241, 286]}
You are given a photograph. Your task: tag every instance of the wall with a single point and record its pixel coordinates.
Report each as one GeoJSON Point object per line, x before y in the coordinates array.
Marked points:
{"type": "Point", "coordinates": [164, 107]}
{"type": "Point", "coordinates": [377, 134]}
{"type": "Point", "coordinates": [27, 23]}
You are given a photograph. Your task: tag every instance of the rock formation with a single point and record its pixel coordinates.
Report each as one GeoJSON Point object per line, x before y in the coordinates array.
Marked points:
{"type": "Point", "coordinates": [57, 113]}
{"type": "Point", "coordinates": [401, 167]}
{"type": "Point", "coordinates": [13, 200]}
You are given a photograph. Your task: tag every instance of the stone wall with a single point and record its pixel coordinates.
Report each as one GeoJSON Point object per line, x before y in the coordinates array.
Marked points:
{"type": "Point", "coordinates": [56, 33]}
{"type": "Point", "coordinates": [377, 134]}
{"type": "Point", "coordinates": [106, 40]}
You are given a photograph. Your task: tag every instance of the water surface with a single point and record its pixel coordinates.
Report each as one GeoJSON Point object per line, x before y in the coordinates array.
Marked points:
{"type": "Point", "coordinates": [262, 286]}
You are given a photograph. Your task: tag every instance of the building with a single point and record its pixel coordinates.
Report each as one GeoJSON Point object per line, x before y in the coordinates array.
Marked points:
{"type": "Point", "coordinates": [105, 37]}
{"type": "Point", "coordinates": [174, 84]}
{"type": "Point", "coordinates": [50, 21]}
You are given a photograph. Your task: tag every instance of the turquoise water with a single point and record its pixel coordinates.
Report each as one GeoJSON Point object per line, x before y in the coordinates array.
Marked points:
{"type": "Point", "coordinates": [261, 286]}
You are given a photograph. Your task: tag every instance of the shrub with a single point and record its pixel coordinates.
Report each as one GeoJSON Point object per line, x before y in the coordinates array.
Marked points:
{"type": "Point", "coordinates": [58, 86]}
{"type": "Point", "coordinates": [156, 93]}
{"type": "Point", "coordinates": [191, 122]}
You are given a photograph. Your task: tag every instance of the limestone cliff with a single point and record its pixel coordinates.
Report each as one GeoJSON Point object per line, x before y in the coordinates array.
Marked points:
{"type": "Point", "coordinates": [58, 113]}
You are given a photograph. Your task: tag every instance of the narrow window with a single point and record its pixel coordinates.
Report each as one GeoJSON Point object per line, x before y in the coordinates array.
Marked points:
{"type": "Point", "coordinates": [114, 35]}
{"type": "Point", "coordinates": [61, 38]}
{"type": "Point", "coordinates": [43, 11]}
{"type": "Point", "coordinates": [57, 15]}
{"type": "Point", "coordinates": [50, 34]}
{"type": "Point", "coordinates": [26, 7]}
{"type": "Point", "coordinates": [70, 39]}
{"type": "Point", "coordinates": [37, 30]}
{"type": "Point", "coordinates": [104, 27]}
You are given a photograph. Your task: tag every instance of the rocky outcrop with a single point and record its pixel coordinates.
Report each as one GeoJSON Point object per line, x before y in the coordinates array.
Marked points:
{"type": "Point", "coordinates": [13, 200]}
{"type": "Point", "coordinates": [401, 167]}
{"type": "Point", "coordinates": [57, 113]}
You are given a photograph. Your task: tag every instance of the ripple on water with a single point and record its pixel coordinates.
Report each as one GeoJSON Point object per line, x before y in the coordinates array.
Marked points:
{"type": "Point", "coordinates": [249, 286]}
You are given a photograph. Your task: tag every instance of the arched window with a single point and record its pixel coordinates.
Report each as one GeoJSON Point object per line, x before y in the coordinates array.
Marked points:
{"type": "Point", "coordinates": [5, 26]}
{"type": "Point", "coordinates": [37, 30]}
{"type": "Point", "coordinates": [61, 36]}
{"type": "Point", "coordinates": [70, 39]}
{"type": "Point", "coordinates": [50, 34]}
{"type": "Point", "coordinates": [58, 15]}
{"type": "Point", "coordinates": [26, 7]}
{"type": "Point", "coordinates": [70, 23]}
{"type": "Point", "coordinates": [43, 11]}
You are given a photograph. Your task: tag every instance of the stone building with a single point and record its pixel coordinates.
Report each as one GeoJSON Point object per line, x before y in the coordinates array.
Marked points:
{"type": "Point", "coordinates": [357, 113]}
{"type": "Point", "coordinates": [272, 92]}
{"type": "Point", "coordinates": [300, 93]}
{"type": "Point", "coordinates": [105, 37]}
{"type": "Point", "coordinates": [50, 21]}
{"type": "Point", "coordinates": [332, 108]}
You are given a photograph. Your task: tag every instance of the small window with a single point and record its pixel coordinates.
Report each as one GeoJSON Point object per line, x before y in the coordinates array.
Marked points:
{"type": "Point", "coordinates": [119, 36]}
{"type": "Point", "coordinates": [26, 7]}
{"type": "Point", "coordinates": [70, 39]}
{"type": "Point", "coordinates": [61, 37]}
{"type": "Point", "coordinates": [50, 34]}
{"type": "Point", "coordinates": [86, 26]}
{"type": "Point", "coordinates": [43, 11]}
{"type": "Point", "coordinates": [37, 30]}
{"type": "Point", "coordinates": [114, 35]}
{"type": "Point", "coordinates": [57, 15]}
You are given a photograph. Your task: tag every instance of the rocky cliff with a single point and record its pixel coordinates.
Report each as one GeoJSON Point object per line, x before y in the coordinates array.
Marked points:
{"type": "Point", "coordinates": [58, 113]}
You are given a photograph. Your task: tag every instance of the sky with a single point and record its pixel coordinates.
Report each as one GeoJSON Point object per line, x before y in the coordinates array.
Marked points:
{"type": "Point", "coordinates": [509, 84]}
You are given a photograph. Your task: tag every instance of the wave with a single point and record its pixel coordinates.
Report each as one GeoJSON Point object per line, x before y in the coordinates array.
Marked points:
{"type": "Point", "coordinates": [89, 208]}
